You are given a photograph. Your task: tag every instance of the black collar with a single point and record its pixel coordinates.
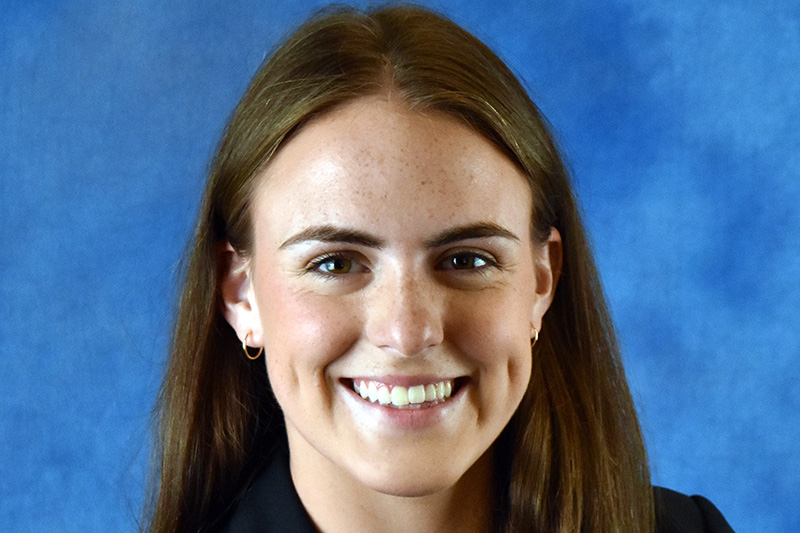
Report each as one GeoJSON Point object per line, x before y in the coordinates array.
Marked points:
{"type": "Point", "coordinates": [270, 503]}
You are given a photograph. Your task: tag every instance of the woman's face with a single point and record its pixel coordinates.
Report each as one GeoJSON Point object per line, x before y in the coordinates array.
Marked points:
{"type": "Point", "coordinates": [394, 287]}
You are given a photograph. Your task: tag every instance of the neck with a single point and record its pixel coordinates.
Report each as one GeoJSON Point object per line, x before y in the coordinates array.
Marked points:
{"type": "Point", "coordinates": [338, 503]}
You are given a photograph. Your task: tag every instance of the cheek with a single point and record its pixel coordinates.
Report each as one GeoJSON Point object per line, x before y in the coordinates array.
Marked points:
{"type": "Point", "coordinates": [495, 332]}
{"type": "Point", "coordinates": [492, 322]}
{"type": "Point", "coordinates": [303, 334]}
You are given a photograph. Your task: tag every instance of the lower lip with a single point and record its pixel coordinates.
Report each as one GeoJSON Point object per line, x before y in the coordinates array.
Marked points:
{"type": "Point", "coordinates": [403, 419]}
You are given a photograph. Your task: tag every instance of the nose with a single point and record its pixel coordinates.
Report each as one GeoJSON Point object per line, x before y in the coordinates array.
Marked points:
{"type": "Point", "coordinates": [405, 315]}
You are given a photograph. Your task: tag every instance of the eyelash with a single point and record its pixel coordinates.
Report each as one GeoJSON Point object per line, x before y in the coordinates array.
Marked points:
{"type": "Point", "coordinates": [315, 266]}
{"type": "Point", "coordinates": [489, 263]}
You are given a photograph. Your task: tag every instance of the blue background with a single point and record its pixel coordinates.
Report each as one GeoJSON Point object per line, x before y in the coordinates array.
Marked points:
{"type": "Point", "coordinates": [680, 122]}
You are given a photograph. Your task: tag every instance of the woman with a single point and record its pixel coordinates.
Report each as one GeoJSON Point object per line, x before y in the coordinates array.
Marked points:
{"type": "Point", "coordinates": [388, 222]}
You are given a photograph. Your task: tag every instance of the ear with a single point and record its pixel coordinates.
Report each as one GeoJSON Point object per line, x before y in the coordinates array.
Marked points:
{"type": "Point", "coordinates": [238, 298]}
{"type": "Point", "coordinates": [548, 270]}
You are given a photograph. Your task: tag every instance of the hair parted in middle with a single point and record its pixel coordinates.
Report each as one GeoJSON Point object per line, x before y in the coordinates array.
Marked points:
{"type": "Point", "coordinates": [572, 457]}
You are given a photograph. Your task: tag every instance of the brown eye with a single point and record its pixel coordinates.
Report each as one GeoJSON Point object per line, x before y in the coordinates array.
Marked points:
{"type": "Point", "coordinates": [466, 261]}
{"type": "Point", "coordinates": [335, 265]}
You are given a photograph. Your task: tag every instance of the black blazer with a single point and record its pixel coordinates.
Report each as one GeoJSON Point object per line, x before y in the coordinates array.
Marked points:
{"type": "Point", "coordinates": [272, 505]}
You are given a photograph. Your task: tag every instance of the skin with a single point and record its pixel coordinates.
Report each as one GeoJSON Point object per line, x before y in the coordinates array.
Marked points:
{"type": "Point", "coordinates": [393, 245]}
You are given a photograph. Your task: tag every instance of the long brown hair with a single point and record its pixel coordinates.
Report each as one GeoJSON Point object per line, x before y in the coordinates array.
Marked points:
{"type": "Point", "coordinates": [572, 457]}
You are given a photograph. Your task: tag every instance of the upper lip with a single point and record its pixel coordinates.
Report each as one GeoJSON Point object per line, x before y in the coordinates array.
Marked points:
{"type": "Point", "coordinates": [402, 381]}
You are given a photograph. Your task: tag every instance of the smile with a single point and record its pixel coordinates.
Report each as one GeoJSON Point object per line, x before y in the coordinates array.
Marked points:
{"type": "Point", "coordinates": [400, 397]}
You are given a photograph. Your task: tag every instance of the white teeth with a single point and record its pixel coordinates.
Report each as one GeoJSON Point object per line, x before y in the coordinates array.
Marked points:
{"type": "Point", "coordinates": [416, 394]}
{"type": "Point", "coordinates": [430, 393]}
{"type": "Point", "coordinates": [399, 396]}
{"type": "Point", "coordinates": [373, 392]}
{"type": "Point", "coordinates": [384, 396]}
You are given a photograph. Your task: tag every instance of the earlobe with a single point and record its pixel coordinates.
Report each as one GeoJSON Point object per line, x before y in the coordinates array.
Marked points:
{"type": "Point", "coordinates": [238, 302]}
{"type": "Point", "coordinates": [548, 271]}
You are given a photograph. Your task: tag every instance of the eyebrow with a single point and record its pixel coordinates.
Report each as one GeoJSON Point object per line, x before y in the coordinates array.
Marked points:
{"type": "Point", "coordinates": [328, 233]}
{"type": "Point", "coordinates": [470, 231]}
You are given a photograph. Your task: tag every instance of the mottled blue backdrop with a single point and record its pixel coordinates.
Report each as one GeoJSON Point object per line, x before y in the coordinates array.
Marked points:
{"type": "Point", "coordinates": [680, 122]}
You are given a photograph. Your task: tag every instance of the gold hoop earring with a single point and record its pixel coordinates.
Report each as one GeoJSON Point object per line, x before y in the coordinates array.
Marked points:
{"type": "Point", "coordinates": [247, 353]}
{"type": "Point", "coordinates": [535, 337]}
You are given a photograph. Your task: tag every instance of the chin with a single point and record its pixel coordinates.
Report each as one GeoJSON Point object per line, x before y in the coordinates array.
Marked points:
{"type": "Point", "coordinates": [412, 478]}
{"type": "Point", "coordinates": [409, 488]}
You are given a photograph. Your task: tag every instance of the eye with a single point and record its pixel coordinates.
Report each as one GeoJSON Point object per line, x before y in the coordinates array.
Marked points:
{"type": "Point", "coordinates": [466, 261]}
{"type": "Point", "coordinates": [335, 265]}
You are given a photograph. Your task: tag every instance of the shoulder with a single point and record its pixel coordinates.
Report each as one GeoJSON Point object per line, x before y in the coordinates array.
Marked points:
{"type": "Point", "coordinates": [269, 503]}
{"type": "Point", "coordinates": [679, 513]}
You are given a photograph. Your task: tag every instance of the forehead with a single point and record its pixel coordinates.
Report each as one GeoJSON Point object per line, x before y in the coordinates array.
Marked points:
{"type": "Point", "coordinates": [375, 162]}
